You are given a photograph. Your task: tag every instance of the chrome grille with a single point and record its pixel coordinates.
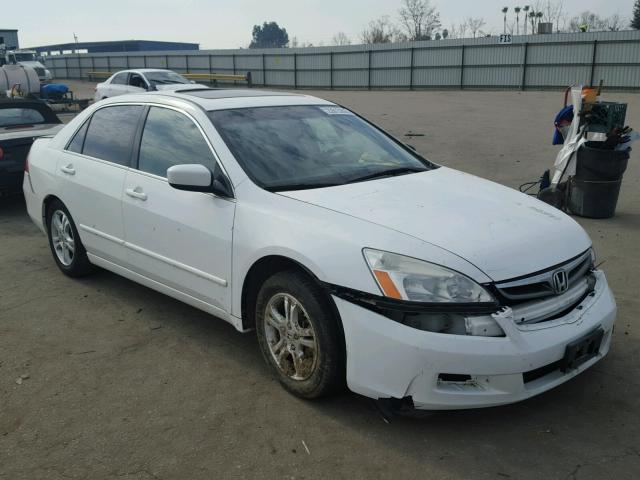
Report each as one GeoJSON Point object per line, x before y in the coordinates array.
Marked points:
{"type": "Point", "coordinates": [540, 285]}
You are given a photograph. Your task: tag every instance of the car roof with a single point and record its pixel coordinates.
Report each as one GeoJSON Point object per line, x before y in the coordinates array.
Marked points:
{"type": "Point", "coordinates": [223, 98]}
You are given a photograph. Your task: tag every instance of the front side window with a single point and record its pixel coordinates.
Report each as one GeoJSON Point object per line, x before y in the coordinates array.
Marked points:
{"type": "Point", "coordinates": [10, 117]}
{"type": "Point", "coordinates": [170, 138]}
{"type": "Point", "coordinates": [120, 79]}
{"type": "Point", "coordinates": [136, 80]}
{"type": "Point", "coordinates": [297, 147]}
{"type": "Point", "coordinates": [110, 133]}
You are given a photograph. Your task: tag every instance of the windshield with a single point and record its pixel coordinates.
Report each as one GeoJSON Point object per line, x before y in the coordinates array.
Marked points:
{"type": "Point", "coordinates": [165, 78]}
{"type": "Point", "coordinates": [25, 57]}
{"type": "Point", "coordinates": [297, 147]}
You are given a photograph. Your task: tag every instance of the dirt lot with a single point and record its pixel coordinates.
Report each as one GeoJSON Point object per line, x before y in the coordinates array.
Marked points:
{"type": "Point", "coordinates": [125, 382]}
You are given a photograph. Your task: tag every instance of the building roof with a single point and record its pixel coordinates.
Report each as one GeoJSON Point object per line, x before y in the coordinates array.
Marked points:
{"type": "Point", "coordinates": [8, 30]}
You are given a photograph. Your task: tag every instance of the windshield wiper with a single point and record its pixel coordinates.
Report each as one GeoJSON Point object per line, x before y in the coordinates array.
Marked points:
{"type": "Point", "coordinates": [392, 172]}
{"type": "Point", "coordinates": [298, 186]}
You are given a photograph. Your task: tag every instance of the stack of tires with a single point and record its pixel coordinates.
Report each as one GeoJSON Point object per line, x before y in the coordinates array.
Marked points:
{"type": "Point", "coordinates": [594, 190]}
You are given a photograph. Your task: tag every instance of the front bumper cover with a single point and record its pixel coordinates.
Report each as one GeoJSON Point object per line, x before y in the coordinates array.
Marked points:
{"type": "Point", "coordinates": [386, 359]}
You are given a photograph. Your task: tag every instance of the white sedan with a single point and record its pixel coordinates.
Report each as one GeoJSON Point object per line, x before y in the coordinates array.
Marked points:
{"type": "Point", "coordinates": [141, 80]}
{"type": "Point", "coordinates": [355, 259]}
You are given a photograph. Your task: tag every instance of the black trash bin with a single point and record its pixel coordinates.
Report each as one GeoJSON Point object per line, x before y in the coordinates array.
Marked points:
{"type": "Point", "coordinates": [594, 190]}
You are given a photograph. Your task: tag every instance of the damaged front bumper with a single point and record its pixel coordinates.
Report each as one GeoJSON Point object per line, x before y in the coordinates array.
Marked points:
{"type": "Point", "coordinates": [386, 359]}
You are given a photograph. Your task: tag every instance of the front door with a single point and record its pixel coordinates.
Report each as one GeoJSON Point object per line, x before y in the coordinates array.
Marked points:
{"type": "Point", "coordinates": [180, 239]}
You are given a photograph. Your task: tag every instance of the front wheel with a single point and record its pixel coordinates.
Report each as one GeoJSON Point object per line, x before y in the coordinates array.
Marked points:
{"type": "Point", "coordinates": [299, 335]}
{"type": "Point", "coordinates": [64, 241]}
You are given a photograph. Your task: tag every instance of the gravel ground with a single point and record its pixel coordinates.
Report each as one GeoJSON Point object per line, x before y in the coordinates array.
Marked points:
{"type": "Point", "coordinates": [117, 380]}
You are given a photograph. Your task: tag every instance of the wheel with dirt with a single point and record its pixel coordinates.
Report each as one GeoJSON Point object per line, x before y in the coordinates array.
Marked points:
{"type": "Point", "coordinates": [299, 335]}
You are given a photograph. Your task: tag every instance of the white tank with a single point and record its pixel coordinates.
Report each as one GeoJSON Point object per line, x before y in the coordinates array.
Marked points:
{"type": "Point", "coordinates": [27, 77]}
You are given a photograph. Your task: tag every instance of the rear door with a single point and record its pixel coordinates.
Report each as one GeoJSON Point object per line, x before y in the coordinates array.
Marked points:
{"type": "Point", "coordinates": [118, 85]}
{"type": "Point", "coordinates": [92, 171]}
{"type": "Point", "coordinates": [180, 239]}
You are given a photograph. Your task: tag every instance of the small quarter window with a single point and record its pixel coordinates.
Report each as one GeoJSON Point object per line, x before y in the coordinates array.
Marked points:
{"type": "Point", "coordinates": [120, 79]}
{"type": "Point", "coordinates": [75, 145]}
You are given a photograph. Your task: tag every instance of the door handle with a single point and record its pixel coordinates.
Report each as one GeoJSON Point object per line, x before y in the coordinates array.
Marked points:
{"type": "Point", "coordinates": [136, 193]}
{"type": "Point", "coordinates": [69, 170]}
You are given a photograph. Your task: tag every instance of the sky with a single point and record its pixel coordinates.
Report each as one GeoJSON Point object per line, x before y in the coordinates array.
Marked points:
{"type": "Point", "coordinates": [228, 24]}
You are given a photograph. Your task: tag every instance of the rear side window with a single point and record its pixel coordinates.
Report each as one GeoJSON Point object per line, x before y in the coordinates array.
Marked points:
{"type": "Point", "coordinates": [19, 116]}
{"type": "Point", "coordinates": [170, 138]}
{"type": "Point", "coordinates": [120, 79]}
{"type": "Point", "coordinates": [75, 145]}
{"type": "Point", "coordinates": [110, 133]}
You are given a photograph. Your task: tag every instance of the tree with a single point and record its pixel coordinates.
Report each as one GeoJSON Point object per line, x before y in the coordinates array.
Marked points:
{"type": "Point", "coordinates": [525, 9]}
{"type": "Point", "coordinates": [474, 25]}
{"type": "Point", "coordinates": [340, 38]}
{"type": "Point", "coordinates": [517, 10]}
{"type": "Point", "coordinates": [419, 19]}
{"type": "Point", "coordinates": [379, 31]}
{"type": "Point", "coordinates": [269, 35]}
{"type": "Point", "coordinates": [504, 12]}
{"type": "Point", "coordinates": [589, 21]}
{"type": "Point", "coordinates": [635, 22]}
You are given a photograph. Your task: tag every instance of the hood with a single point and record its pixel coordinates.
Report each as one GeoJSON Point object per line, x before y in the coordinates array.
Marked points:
{"type": "Point", "coordinates": [501, 231]}
{"type": "Point", "coordinates": [30, 132]}
{"type": "Point", "coordinates": [177, 86]}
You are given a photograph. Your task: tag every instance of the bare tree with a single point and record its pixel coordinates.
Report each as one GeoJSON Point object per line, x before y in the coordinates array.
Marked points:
{"type": "Point", "coordinates": [379, 31]}
{"type": "Point", "coordinates": [475, 25]}
{"type": "Point", "coordinates": [589, 21]}
{"type": "Point", "coordinates": [340, 38]}
{"type": "Point", "coordinates": [419, 19]}
{"type": "Point", "coordinates": [526, 9]}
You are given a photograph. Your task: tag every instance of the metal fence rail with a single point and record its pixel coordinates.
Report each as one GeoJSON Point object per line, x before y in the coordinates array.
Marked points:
{"type": "Point", "coordinates": [530, 62]}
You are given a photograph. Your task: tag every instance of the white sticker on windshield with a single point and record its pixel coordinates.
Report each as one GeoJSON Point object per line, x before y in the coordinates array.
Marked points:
{"type": "Point", "coordinates": [335, 111]}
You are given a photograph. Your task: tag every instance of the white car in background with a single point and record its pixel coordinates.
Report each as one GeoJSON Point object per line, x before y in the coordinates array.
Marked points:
{"type": "Point", "coordinates": [141, 80]}
{"type": "Point", "coordinates": [353, 257]}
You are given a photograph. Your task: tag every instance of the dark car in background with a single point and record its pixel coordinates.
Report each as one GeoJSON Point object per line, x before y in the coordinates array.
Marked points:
{"type": "Point", "coordinates": [21, 122]}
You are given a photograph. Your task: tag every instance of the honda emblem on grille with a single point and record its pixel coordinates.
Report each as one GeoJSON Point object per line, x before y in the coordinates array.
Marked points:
{"type": "Point", "coordinates": [560, 281]}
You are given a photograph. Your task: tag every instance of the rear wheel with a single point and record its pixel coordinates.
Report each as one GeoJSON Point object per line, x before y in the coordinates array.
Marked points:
{"type": "Point", "coordinates": [64, 241]}
{"type": "Point", "coordinates": [299, 335]}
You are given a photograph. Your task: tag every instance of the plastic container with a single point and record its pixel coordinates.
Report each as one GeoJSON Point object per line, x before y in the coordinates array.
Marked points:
{"type": "Point", "coordinates": [598, 164]}
{"type": "Point", "coordinates": [592, 198]}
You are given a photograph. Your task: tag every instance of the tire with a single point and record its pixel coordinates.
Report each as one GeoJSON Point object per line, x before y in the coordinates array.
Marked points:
{"type": "Point", "coordinates": [64, 242]}
{"type": "Point", "coordinates": [309, 332]}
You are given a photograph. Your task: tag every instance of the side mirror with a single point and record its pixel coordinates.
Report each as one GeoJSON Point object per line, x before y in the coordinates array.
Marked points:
{"type": "Point", "coordinates": [192, 81]}
{"type": "Point", "coordinates": [151, 88]}
{"type": "Point", "coordinates": [198, 178]}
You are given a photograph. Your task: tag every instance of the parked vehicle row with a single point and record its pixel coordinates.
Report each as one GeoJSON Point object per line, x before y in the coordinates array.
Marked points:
{"type": "Point", "coordinates": [21, 122]}
{"type": "Point", "coordinates": [354, 258]}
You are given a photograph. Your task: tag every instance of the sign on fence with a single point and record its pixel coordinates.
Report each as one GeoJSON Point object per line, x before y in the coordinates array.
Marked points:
{"type": "Point", "coordinates": [506, 39]}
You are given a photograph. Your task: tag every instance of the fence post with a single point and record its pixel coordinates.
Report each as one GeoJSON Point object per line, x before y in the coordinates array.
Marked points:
{"type": "Point", "coordinates": [411, 70]}
{"type": "Point", "coordinates": [264, 73]}
{"type": "Point", "coordinates": [233, 64]}
{"type": "Point", "coordinates": [186, 62]}
{"type": "Point", "coordinates": [166, 62]}
{"type": "Point", "coordinates": [127, 57]}
{"type": "Point", "coordinates": [144, 58]}
{"type": "Point", "coordinates": [523, 82]}
{"type": "Point", "coordinates": [369, 70]}
{"type": "Point", "coordinates": [108, 63]}
{"type": "Point", "coordinates": [295, 71]}
{"type": "Point", "coordinates": [331, 69]}
{"type": "Point", "coordinates": [593, 61]}
{"type": "Point", "coordinates": [462, 69]}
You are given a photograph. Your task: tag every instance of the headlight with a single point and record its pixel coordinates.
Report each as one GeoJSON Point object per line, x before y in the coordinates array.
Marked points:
{"type": "Point", "coordinates": [406, 278]}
